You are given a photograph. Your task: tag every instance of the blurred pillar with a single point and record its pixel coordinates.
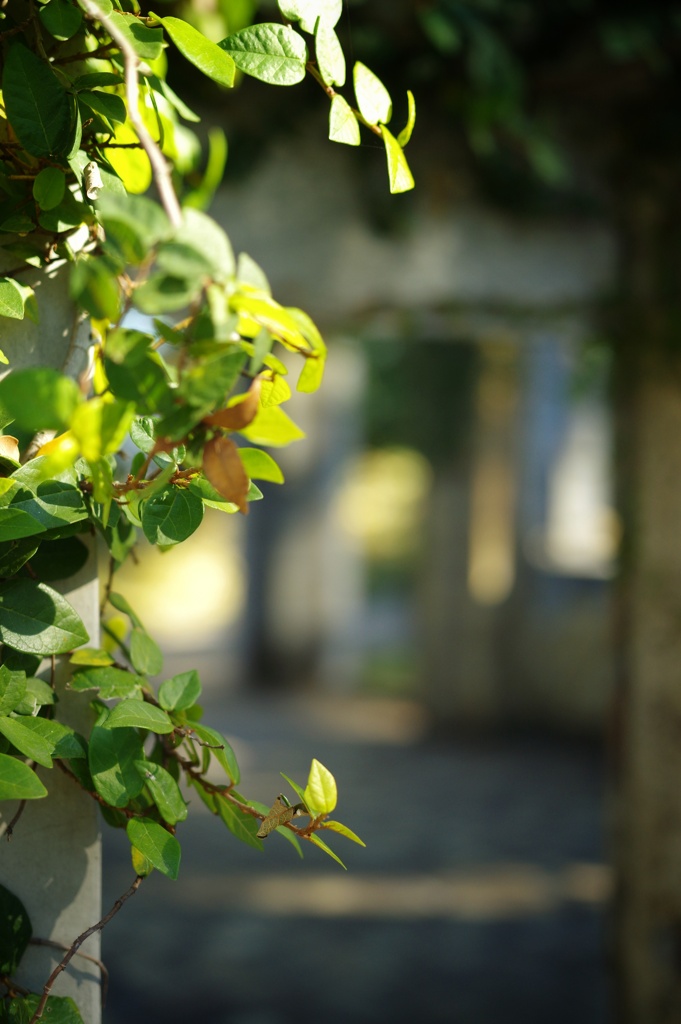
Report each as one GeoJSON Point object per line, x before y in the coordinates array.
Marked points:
{"type": "Point", "coordinates": [305, 587]}
{"type": "Point", "coordinates": [647, 724]}
{"type": "Point", "coordinates": [646, 733]}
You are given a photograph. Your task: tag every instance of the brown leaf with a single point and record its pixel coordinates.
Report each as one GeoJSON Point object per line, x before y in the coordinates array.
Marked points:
{"type": "Point", "coordinates": [224, 469]}
{"type": "Point", "coordinates": [239, 415]}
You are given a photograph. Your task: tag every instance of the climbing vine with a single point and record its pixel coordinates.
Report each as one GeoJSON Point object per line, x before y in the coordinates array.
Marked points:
{"type": "Point", "coordinates": [141, 427]}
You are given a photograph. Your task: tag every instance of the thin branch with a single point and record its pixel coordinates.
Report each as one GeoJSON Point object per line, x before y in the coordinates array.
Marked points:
{"type": "Point", "coordinates": [15, 819]}
{"type": "Point", "coordinates": [77, 943]}
{"type": "Point", "coordinates": [159, 165]}
{"type": "Point", "coordinates": [53, 944]}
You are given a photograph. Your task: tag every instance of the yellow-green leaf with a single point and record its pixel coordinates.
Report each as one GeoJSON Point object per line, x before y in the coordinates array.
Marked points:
{"type": "Point", "coordinates": [343, 126]}
{"type": "Point", "coordinates": [321, 795]}
{"type": "Point", "coordinates": [272, 427]}
{"type": "Point", "coordinates": [401, 178]}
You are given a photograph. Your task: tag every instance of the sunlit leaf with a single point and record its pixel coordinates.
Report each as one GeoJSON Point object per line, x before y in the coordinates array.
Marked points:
{"type": "Point", "coordinates": [157, 844]}
{"type": "Point", "coordinates": [273, 53]}
{"type": "Point", "coordinates": [343, 126]}
{"type": "Point", "coordinates": [208, 57]}
{"type": "Point", "coordinates": [260, 466]}
{"type": "Point", "coordinates": [405, 135]}
{"type": "Point", "coordinates": [343, 830]}
{"type": "Point", "coordinates": [329, 53]}
{"type": "Point", "coordinates": [401, 178]}
{"type": "Point", "coordinates": [320, 796]}
{"type": "Point", "coordinates": [373, 99]}
{"type": "Point", "coordinates": [272, 427]}
{"type": "Point", "coordinates": [314, 838]}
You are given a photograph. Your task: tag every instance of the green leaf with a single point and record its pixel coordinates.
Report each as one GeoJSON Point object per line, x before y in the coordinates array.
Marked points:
{"type": "Point", "coordinates": [273, 53]}
{"type": "Point", "coordinates": [94, 286]}
{"type": "Point", "coordinates": [96, 80]}
{"type": "Point", "coordinates": [95, 656]}
{"type": "Point", "coordinates": [65, 742]}
{"type": "Point", "coordinates": [61, 19]}
{"type": "Point", "coordinates": [38, 107]}
{"type": "Point", "coordinates": [243, 826]}
{"type": "Point", "coordinates": [59, 559]}
{"type": "Point", "coordinates": [311, 374]}
{"type": "Point", "coordinates": [38, 692]}
{"type": "Point", "coordinates": [343, 830]}
{"type": "Point", "coordinates": [147, 42]}
{"type": "Point", "coordinates": [39, 398]}
{"type": "Point", "coordinates": [201, 196]}
{"type": "Point", "coordinates": [405, 135]}
{"type": "Point", "coordinates": [58, 1010]}
{"type": "Point", "coordinates": [272, 427]}
{"type": "Point", "coordinates": [36, 747]}
{"type": "Point", "coordinates": [48, 187]}
{"type": "Point", "coordinates": [137, 714]}
{"type": "Point", "coordinates": [112, 107]}
{"type": "Point", "coordinates": [220, 749]}
{"type": "Point", "coordinates": [401, 179]}
{"type": "Point", "coordinates": [52, 506]}
{"type": "Point", "coordinates": [37, 620]}
{"type": "Point", "coordinates": [171, 516]}
{"type": "Point", "coordinates": [320, 796]}
{"type": "Point", "coordinates": [105, 6]}
{"type": "Point", "coordinates": [18, 781]}
{"type": "Point", "coordinates": [295, 787]}
{"type": "Point", "coordinates": [133, 224]}
{"type": "Point", "coordinates": [157, 845]}
{"type": "Point", "coordinates": [343, 126]}
{"type": "Point", "coordinates": [121, 604]}
{"type": "Point", "coordinates": [15, 931]}
{"type": "Point", "coordinates": [208, 57]}
{"type": "Point", "coordinates": [145, 653]}
{"type": "Point", "coordinates": [251, 273]}
{"type": "Point", "coordinates": [180, 692]}
{"type": "Point", "coordinates": [101, 426]}
{"type": "Point", "coordinates": [314, 838]}
{"type": "Point", "coordinates": [164, 791]}
{"type": "Point", "coordinates": [260, 466]}
{"type": "Point", "coordinates": [207, 239]}
{"type": "Point", "coordinates": [373, 99]}
{"type": "Point", "coordinates": [112, 683]}
{"type": "Point", "coordinates": [11, 299]}
{"type": "Point", "coordinates": [307, 12]}
{"type": "Point", "coordinates": [12, 689]}
{"type": "Point", "coordinates": [111, 757]}
{"type": "Point", "coordinates": [329, 52]}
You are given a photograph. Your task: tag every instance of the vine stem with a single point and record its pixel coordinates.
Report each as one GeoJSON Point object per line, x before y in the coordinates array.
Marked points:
{"type": "Point", "coordinates": [77, 943]}
{"type": "Point", "coordinates": [159, 165]}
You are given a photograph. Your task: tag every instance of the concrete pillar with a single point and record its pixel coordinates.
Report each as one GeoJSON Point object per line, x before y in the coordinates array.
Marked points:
{"type": "Point", "coordinates": [52, 862]}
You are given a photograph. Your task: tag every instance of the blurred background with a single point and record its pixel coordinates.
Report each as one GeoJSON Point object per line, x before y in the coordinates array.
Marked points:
{"type": "Point", "coordinates": [438, 603]}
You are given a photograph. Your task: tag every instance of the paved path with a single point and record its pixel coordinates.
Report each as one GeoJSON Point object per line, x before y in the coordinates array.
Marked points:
{"type": "Point", "coordinates": [478, 900]}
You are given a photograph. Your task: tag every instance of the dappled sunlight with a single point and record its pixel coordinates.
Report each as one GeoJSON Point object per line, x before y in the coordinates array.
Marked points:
{"type": "Point", "coordinates": [191, 594]}
{"type": "Point", "coordinates": [383, 501]}
{"type": "Point", "coordinates": [500, 891]}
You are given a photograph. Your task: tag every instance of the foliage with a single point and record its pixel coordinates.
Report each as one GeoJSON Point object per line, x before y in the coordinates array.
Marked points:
{"type": "Point", "coordinates": [169, 419]}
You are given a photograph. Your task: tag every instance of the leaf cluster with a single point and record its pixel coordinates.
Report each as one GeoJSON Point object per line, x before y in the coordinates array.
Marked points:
{"type": "Point", "coordinates": [177, 412]}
